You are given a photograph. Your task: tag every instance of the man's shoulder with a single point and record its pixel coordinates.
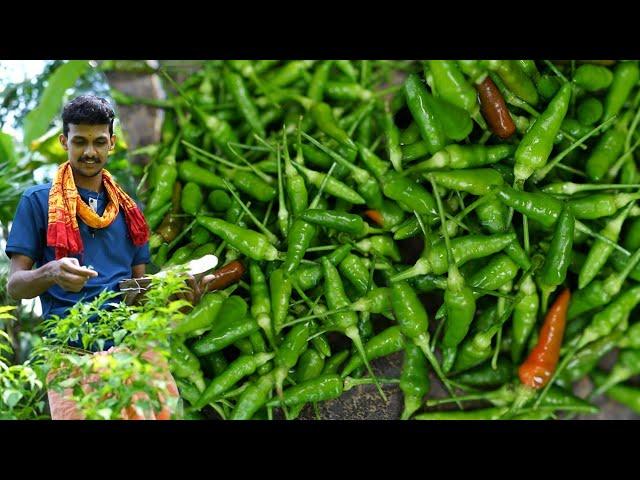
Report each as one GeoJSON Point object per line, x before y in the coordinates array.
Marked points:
{"type": "Point", "coordinates": [38, 191]}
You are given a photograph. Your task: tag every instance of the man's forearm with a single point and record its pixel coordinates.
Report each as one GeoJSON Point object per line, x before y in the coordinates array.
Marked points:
{"type": "Point", "coordinates": [30, 283]}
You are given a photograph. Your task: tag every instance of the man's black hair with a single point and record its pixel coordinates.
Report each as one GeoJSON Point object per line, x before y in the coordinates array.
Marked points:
{"type": "Point", "coordinates": [87, 110]}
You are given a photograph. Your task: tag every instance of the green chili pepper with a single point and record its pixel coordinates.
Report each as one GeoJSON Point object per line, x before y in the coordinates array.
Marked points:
{"type": "Point", "coordinates": [214, 364]}
{"type": "Point", "coordinates": [192, 198]}
{"type": "Point", "coordinates": [625, 77]}
{"type": "Point", "coordinates": [434, 257]}
{"type": "Point", "coordinates": [310, 365]}
{"type": "Point", "coordinates": [600, 204]}
{"type": "Point", "coordinates": [322, 388]}
{"type": "Point", "coordinates": [525, 314]}
{"type": "Point", "coordinates": [289, 351]}
{"type": "Point", "coordinates": [600, 292]}
{"type": "Point", "coordinates": [354, 270]}
{"type": "Point", "coordinates": [463, 156]}
{"type": "Point", "coordinates": [252, 244]}
{"type": "Point", "coordinates": [219, 200]}
{"type": "Point", "coordinates": [414, 381]}
{"type": "Point", "coordinates": [606, 152]}
{"type": "Point", "coordinates": [548, 86]}
{"type": "Point", "coordinates": [294, 185]}
{"type": "Point", "coordinates": [409, 193]}
{"type": "Point", "coordinates": [545, 209]}
{"type": "Point", "coordinates": [381, 345]}
{"type": "Point", "coordinates": [243, 366]}
{"type": "Point", "coordinates": [515, 79]}
{"type": "Point", "coordinates": [203, 316]}
{"type": "Point", "coordinates": [308, 276]}
{"type": "Point", "coordinates": [392, 137]}
{"type": "Point", "coordinates": [191, 172]}
{"type": "Point", "coordinates": [557, 398]}
{"type": "Point", "coordinates": [414, 151]}
{"type": "Point", "coordinates": [333, 187]}
{"type": "Point", "coordinates": [611, 317]}
{"type": "Point", "coordinates": [260, 300]}
{"type": "Point", "coordinates": [199, 235]}
{"type": "Point", "coordinates": [287, 74]}
{"type": "Point", "coordinates": [345, 322]}
{"type": "Point", "coordinates": [499, 271]}
{"type": "Point", "coordinates": [475, 181]}
{"type": "Point", "coordinates": [627, 365]}
{"type": "Point", "coordinates": [493, 215]}
{"type": "Point", "coordinates": [589, 111]}
{"type": "Point", "coordinates": [482, 414]}
{"type": "Point", "coordinates": [166, 176]}
{"type": "Point", "coordinates": [333, 363]}
{"type": "Point", "coordinates": [592, 77]}
{"type": "Point", "coordinates": [347, 91]}
{"type": "Point", "coordinates": [250, 184]}
{"type": "Point", "coordinates": [626, 395]}
{"type": "Point", "coordinates": [235, 85]}
{"type": "Point", "coordinates": [253, 398]}
{"type": "Point", "coordinates": [343, 222]}
{"type": "Point", "coordinates": [535, 147]}
{"type": "Point", "coordinates": [184, 364]}
{"type": "Point", "coordinates": [485, 376]}
{"type": "Point", "coordinates": [431, 130]}
{"type": "Point", "coordinates": [631, 338]}
{"type": "Point", "coordinates": [319, 81]}
{"type": "Point", "coordinates": [181, 255]}
{"type": "Point", "coordinates": [280, 287]}
{"type": "Point", "coordinates": [587, 358]}
{"type": "Point", "coordinates": [323, 117]}
{"type": "Point", "coordinates": [558, 258]}
{"type": "Point", "coordinates": [452, 86]}
{"type": "Point", "coordinates": [600, 251]}
{"type": "Point", "coordinates": [414, 322]}
{"type": "Point", "coordinates": [155, 218]}
{"type": "Point", "coordinates": [380, 245]}
{"type": "Point", "coordinates": [224, 334]}
{"type": "Point", "coordinates": [376, 300]}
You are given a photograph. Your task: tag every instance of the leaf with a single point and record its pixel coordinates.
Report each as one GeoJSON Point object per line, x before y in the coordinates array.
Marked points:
{"type": "Point", "coordinates": [118, 335]}
{"type": "Point", "coordinates": [64, 77]}
{"type": "Point", "coordinates": [69, 382]}
{"type": "Point", "coordinates": [104, 413]}
{"type": "Point", "coordinates": [7, 148]}
{"type": "Point", "coordinates": [11, 397]}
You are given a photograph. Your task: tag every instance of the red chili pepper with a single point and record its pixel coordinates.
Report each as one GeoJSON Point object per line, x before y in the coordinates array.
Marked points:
{"type": "Point", "coordinates": [223, 277]}
{"type": "Point", "coordinates": [494, 110]}
{"type": "Point", "coordinates": [537, 370]}
{"type": "Point", "coordinates": [375, 216]}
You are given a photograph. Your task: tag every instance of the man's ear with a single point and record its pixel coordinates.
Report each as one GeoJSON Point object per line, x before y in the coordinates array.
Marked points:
{"type": "Point", "coordinates": [63, 141]}
{"type": "Point", "coordinates": [113, 142]}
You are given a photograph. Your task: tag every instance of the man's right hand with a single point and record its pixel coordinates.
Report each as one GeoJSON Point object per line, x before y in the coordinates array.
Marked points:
{"type": "Point", "coordinates": [68, 274]}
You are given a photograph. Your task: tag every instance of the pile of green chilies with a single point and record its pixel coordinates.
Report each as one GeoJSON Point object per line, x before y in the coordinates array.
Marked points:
{"type": "Point", "coordinates": [314, 181]}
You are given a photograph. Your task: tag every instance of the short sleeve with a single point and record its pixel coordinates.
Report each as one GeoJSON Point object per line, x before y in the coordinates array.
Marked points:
{"type": "Point", "coordinates": [142, 255]}
{"type": "Point", "coordinates": [26, 236]}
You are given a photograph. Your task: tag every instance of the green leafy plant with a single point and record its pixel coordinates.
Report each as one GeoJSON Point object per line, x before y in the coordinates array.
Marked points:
{"type": "Point", "coordinates": [105, 385]}
{"type": "Point", "coordinates": [21, 387]}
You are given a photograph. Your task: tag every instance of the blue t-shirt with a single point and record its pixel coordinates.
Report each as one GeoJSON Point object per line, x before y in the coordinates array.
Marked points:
{"type": "Point", "coordinates": [109, 250]}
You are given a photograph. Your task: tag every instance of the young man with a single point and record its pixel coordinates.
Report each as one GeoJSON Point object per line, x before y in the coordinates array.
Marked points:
{"type": "Point", "coordinates": [82, 232]}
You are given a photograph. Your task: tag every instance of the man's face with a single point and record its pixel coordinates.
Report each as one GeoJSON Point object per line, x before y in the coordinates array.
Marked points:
{"type": "Point", "coordinates": [88, 147]}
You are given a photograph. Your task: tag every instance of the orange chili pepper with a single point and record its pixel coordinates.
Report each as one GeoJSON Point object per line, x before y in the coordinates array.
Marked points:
{"type": "Point", "coordinates": [538, 368]}
{"type": "Point", "coordinates": [375, 216]}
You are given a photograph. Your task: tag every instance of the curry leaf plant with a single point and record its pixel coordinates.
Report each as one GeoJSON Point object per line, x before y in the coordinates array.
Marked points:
{"type": "Point", "coordinates": [108, 384]}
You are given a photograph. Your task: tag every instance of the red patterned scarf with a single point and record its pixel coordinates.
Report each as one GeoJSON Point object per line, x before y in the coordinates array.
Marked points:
{"type": "Point", "coordinates": [63, 233]}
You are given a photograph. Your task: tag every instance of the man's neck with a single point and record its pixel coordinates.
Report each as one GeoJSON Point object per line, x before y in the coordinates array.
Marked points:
{"type": "Point", "coordinates": [89, 183]}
